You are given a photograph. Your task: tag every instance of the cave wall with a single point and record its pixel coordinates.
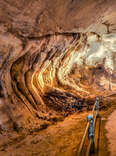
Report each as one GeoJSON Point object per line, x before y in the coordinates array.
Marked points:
{"type": "Point", "coordinates": [40, 37]}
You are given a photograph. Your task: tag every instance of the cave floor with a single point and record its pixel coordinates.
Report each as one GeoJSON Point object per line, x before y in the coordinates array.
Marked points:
{"type": "Point", "coordinates": [62, 138]}
{"type": "Point", "coordinates": [107, 141]}
{"type": "Point", "coordinates": [111, 133]}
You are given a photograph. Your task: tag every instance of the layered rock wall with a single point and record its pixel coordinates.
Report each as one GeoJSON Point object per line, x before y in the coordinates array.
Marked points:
{"type": "Point", "coordinates": [54, 56]}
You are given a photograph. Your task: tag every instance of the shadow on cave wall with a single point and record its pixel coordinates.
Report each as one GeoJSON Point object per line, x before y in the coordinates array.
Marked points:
{"type": "Point", "coordinates": [66, 102]}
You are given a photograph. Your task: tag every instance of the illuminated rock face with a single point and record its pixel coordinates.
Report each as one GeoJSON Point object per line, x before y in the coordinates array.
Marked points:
{"type": "Point", "coordinates": [51, 66]}
{"type": "Point", "coordinates": [84, 70]}
{"type": "Point", "coordinates": [87, 64]}
{"type": "Point", "coordinates": [53, 75]}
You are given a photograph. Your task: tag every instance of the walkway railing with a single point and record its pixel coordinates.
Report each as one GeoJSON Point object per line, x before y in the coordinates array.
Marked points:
{"type": "Point", "coordinates": [90, 141]}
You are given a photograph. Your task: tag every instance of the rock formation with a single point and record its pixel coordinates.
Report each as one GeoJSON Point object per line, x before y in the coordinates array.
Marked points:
{"type": "Point", "coordinates": [54, 56]}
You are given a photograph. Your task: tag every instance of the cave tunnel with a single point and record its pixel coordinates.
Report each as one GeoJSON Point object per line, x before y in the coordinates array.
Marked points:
{"type": "Point", "coordinates": [56, 59]}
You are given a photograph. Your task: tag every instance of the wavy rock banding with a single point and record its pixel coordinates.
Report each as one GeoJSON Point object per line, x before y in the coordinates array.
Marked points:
{"type": "Point", "coordinates": [50, 68]}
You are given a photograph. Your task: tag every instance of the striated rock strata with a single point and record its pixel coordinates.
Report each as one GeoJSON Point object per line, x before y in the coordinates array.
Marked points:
{"type": "Point", "coordinates": [55, 58]}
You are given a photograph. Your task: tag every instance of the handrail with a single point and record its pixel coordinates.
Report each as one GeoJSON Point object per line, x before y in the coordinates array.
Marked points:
{"type": "Point", "coordinates": [86, 130]}
{"type": "Point", "coordinates": [85, 133]}
{"type": "Point", "coordinates": [90, 142]}
{"type": "Point", "coordinates": [82, 141]}
{"type": "Point", "coordinates": [109, 95]}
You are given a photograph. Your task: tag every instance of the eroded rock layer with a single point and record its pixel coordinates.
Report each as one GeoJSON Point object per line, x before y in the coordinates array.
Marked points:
{"type": "Point", "coordinates": [55, 58]}
{"type": "Point", "coordinates": [50, 76]}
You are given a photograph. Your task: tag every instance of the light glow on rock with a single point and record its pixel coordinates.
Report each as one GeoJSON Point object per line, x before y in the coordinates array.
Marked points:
{"type": "Point", "coordinates": [70, 70]}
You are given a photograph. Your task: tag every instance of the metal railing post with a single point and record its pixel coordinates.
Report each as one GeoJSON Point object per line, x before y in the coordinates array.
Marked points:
{"type": "Point", "coordinates": [97, 107]}
{"type": "Point", "coordinates": [91, 133]}
{"type": "Point", "coordinates": [90, 128]}
{"type": "Point", "coordinates": [85, 134]}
